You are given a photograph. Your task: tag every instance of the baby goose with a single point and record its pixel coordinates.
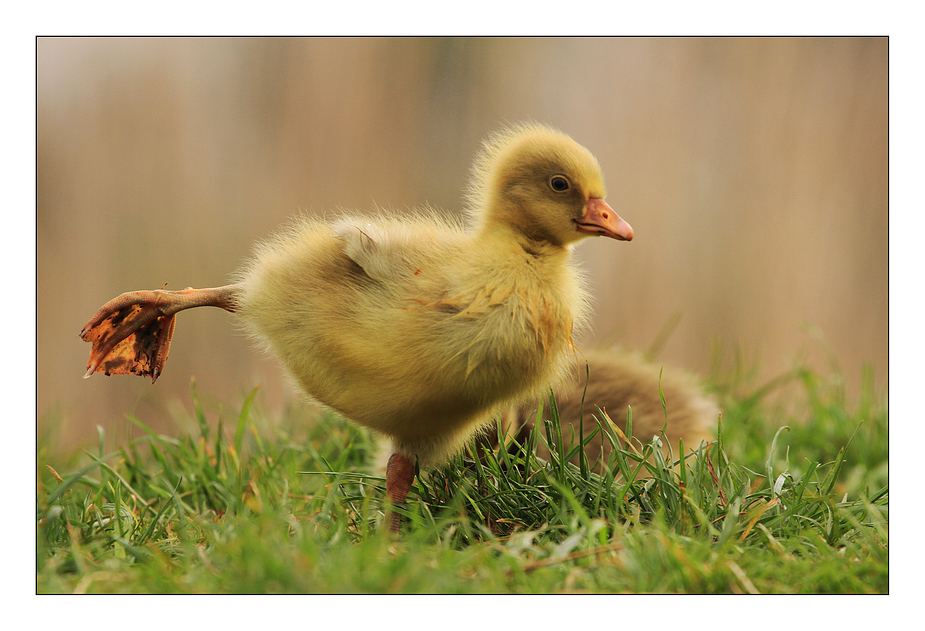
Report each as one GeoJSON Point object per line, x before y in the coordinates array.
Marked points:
{"type": "Point", "coordinates": [614, 381]}
{"type": "Point", "coordinates": [413, 327]}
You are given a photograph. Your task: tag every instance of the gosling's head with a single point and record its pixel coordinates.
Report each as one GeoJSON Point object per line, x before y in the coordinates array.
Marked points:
{"type": "Point", "coordinates": [543, 185]}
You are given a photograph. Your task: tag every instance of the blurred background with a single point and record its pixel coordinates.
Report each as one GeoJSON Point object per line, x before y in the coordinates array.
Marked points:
{"type": "Point", "coordinates": [753, 171]}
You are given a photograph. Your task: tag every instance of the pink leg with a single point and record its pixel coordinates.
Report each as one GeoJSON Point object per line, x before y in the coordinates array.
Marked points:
{"type": "Point", "coordinates": [399, 475]}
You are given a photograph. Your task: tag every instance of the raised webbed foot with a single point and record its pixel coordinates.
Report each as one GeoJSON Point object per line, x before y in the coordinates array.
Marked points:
{"type": "Point", "coordinates": [131, 333]}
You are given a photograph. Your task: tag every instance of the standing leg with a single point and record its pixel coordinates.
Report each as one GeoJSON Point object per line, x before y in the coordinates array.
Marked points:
{"type": "Point", "coordinates": [399, 474]}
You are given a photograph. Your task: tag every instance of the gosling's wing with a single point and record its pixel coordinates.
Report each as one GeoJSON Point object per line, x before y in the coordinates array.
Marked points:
{"type": "Point", "coordinates": [366, 247]}
{"type": "Point", "coordinates": [392, 251]}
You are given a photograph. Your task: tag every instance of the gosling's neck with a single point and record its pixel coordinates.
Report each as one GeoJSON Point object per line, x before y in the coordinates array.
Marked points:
{"type": "Point", "coordinates": [520, 236]}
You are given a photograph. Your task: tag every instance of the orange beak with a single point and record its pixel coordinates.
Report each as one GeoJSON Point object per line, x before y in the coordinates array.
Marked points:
{"type": "Point", "coordinates": [600, 219]}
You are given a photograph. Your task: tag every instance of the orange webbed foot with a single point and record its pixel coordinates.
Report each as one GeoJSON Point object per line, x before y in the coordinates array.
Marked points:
{"type": "Point", "coordinates": [131, 334]}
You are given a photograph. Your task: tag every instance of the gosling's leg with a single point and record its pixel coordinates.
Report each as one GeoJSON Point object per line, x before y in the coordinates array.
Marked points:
{"type": "Point", "coordinates": [399, 474]}
{"type": "Point", "coordinates": [131, 333]}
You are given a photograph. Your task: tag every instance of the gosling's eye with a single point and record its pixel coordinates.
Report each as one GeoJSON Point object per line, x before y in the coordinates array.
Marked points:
{"type": "Point", "coordinates": [559, 183]}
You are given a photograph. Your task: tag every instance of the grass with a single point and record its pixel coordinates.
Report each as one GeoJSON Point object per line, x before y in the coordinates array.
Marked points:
{"type": "Point", "coordinates": [783, 502]}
